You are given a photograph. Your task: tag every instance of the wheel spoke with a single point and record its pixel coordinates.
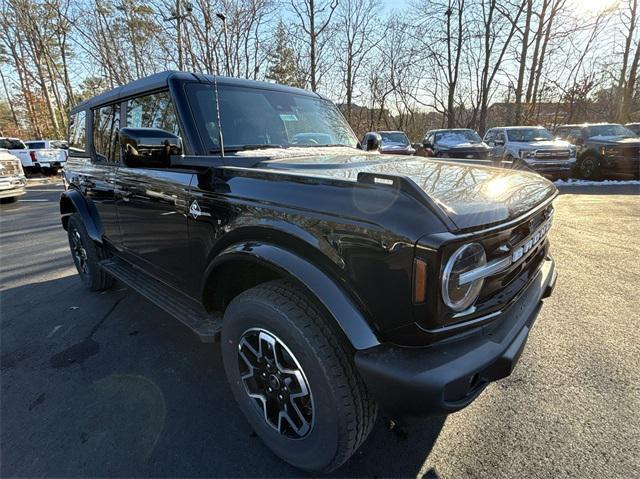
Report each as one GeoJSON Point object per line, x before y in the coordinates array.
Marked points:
{"type": "Point", "coordinates": [273, 378]}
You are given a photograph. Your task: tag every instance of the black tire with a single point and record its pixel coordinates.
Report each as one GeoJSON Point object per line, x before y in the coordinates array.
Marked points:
{"type": "Point", "coordinates": [87, 255]}
{"type": "Point", "coordinates": [341, 412]}
{"type": "Point", "coordinates": [9, 199]}
{"type": "Point", "coordinates": [589, 168]}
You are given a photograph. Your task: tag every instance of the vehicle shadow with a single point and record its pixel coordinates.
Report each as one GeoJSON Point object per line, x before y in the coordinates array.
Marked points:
{"type": "Point", "coordinates": [99, 384]}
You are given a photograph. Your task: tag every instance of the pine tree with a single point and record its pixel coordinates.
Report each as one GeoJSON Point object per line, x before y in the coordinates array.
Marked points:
{"type": "Point", "coordinates": [284, 65]}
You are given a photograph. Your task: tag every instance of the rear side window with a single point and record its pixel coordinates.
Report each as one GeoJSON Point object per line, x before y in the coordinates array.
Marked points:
{"type": "Point", "coordinates": [77, 133]}
{"type": "Point", "coordinates": [153, 111]}
{"type": "Point", "coordinates": [106, 121]}
{"type": "Point", "coordinates": [11, 144]}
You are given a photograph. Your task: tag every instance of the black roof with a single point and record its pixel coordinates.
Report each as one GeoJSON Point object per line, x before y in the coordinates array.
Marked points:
{"type": "Point", "coordinates": [160, 80]}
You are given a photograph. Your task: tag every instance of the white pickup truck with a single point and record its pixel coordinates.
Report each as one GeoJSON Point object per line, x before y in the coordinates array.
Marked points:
{"type": "Point", "coordinates": [39, 155]}
{"type": "Point", "coordinates": [12, 180]}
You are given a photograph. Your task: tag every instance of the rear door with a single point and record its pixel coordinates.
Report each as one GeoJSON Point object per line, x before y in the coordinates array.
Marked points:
{"type": "Point", "coordinates": [152, 201]}
{"type": "Point", "coordinates": [97, 173]}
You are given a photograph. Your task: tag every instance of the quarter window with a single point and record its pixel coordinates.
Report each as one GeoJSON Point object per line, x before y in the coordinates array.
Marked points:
{"type": "Point", "coordinates": [153, 111]}
{"type": "Point", "coordinates": [106, 122]}
{"type": "Point", "coordinates": [77, 133]}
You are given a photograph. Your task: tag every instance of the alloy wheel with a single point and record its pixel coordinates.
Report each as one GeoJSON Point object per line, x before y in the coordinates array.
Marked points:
{"type": "Point", "coordinates": [79, 253]}
{"type": "Point", "coordinates": [276, 383]}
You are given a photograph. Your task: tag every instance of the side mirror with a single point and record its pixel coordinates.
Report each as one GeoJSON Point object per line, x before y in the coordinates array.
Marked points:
{"type": "Point", "coordinates": [372, 142]}
{"type": "Point", "coordinates": [499, 142]}
{"type": "Point", "coordinates": [426, 144]}
{"type": "Point", "coordinates": [148, 147]}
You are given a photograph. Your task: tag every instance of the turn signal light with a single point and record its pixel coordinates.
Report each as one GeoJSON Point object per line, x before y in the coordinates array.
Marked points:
{"type": "Point", "coordinates": [419, 281]}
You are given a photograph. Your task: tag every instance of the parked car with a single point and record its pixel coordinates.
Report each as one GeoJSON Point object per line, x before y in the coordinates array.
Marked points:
{"type": "Point", "coordinates": [531, 147]}
{"type": "Point", "coordinates": [51, 154]}
{"type": "Point", "coordinates": [12, 179]}
{"type": "Point", "coordinates": [391, 142]}
{"type": "Point", "coordinates": [339, 280]}
{"type": "Point", "coordinates": [604, 148]}
{"type": "Point", "coordinates": [634, 127]}
{"type": "Point", "coordinates": [35, 159]}
{"type": "Point", "coordinates": [455, 143]}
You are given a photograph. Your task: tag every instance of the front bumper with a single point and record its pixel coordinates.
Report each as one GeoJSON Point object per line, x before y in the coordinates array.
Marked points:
{"type": "Point", "coordinates": [447, 377]}
{"type": "Point", "coordinates": [12, 186]}
{"type": "Point", "coordinates": [551, 167]}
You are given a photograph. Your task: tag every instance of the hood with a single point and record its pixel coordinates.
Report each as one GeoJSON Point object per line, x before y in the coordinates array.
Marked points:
{"type": "Point", "coordinates": [470, 196]}
{"type": "Point", "coordinates": [395, 147]}
{"type": "Point", "coordinates": [615, 140]}
{"type": "Point", "coordinates": [541, 144]}
{"type": "Point", "coordinates": [464, 146]}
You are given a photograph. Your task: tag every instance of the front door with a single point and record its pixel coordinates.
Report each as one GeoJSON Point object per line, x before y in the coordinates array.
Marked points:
{"type": "Point", "coordinates": [152, 201]}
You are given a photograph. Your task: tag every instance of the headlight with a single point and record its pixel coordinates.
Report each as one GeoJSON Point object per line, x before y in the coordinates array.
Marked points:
{"type": "Point", "coordinates": [464, 259]}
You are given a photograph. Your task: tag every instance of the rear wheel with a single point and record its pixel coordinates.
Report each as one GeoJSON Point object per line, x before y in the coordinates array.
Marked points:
{"type": "Point", "coordinates": [293, 377]}
{"type": "Point", "coordinates": [87, 256]}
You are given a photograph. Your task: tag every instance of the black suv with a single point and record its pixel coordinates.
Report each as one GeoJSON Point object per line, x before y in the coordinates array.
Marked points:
{"type": "Point", "coordinates": [339, 281]}
{"type": "Point", "coordinates": [603, 148]}
{"type": "Point", "coordinates": [455, 143]}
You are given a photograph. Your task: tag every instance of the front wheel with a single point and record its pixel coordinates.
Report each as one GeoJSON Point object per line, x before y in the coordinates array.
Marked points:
{"type": "Point", "coordinates": [294, 378]}
{"type": "Point", "coordinates": [590, 168]}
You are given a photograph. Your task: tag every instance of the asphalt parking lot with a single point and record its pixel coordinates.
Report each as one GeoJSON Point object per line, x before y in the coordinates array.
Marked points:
{"type": "Point", "coordinates": [109, 385]}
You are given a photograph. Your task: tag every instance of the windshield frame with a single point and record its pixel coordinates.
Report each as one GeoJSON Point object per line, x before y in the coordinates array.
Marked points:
{"type": "Point", "coordinates": [208, 109]}
{"type": "Point", "coordinates": [470, 135]}
{"type": "Point", "coordinates": [509, 131]}
{"type": "Point", "coordinates": [629, 134]}
{"type": "Point", "coordinates": [405, 142]}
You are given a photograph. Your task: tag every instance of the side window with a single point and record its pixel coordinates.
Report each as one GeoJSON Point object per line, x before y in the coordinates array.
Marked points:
{"type": "Point", "coordinates": [106, 121]}
{"type": "Point", "coordinates": [489, 136]}
{"type": "Point", "coordinates": [77, 133]}
{"type": "Point", "coordinates": [432, 139]}
{"type": "Point", "coordinates": [500, 136]}
{"type": "Point", "coordinates": [153, 111]}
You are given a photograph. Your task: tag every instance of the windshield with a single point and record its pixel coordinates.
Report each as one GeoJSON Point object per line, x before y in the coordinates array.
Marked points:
{"type": "Point", "coordinates": [455, 137]}
{"type": "Point", "coordinates": [11, 144]}
{"type": "Point", "coordinates": [529, 134]}
{"type": "Point", "coordinates": [259, 118]}
{"type": "Point", "coordinates": [609, 131]}
{"type": "Point", "coordinates": [395, 138]}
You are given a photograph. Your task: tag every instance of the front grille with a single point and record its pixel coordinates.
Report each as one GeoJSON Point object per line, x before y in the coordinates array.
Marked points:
{"type": "Point", "coordinates": [553, 154]}
{"type": "Point", "coordinates": [9, 168]}
{"type": "Point", "coordinates": [503, 286]}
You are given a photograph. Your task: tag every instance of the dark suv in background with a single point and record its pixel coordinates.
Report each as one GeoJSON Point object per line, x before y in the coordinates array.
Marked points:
{"type": "Point", "coordinates": [390, 142]}
{"type": "Point", "coordinates": [603, 149]}
{"type": "Point", "coordinates": [455, 143]}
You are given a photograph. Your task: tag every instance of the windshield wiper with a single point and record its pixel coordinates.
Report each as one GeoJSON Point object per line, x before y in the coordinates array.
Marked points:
{"type": "Point", "coordinates": [252, 146]}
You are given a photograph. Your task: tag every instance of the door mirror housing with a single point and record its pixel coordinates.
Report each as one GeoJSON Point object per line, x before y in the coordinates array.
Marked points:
{"type": "Point", "coordinates": [372, 142]}
{"type": "Point", "coordinates": [426, 144]}
{"type": "Point", "coordinates": [148, 147]}
{"type": "Point", "coordinates": [498, 142]}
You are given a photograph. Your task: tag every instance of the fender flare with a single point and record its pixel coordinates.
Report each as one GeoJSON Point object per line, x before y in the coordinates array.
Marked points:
{"type": "Point", "coordinates": [85, 208]}
{"type": "Point", "coordinates": [335, 300]}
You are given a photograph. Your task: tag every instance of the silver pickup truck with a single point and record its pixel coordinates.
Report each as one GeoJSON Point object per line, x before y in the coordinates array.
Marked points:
{"type": "Point", "coordinates": [35, 155]}
{"type": "Point", "coordinates": [12, 179]}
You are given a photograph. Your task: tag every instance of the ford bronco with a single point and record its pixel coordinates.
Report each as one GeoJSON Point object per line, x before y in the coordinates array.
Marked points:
{"type": "Point", "coordinates": [339, 280]}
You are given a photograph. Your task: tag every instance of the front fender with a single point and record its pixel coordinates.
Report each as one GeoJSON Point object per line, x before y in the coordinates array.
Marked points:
{"type": "Point", "coordinates": [72, 201]}
{"type": "Point", "coordinates": [336, 301]}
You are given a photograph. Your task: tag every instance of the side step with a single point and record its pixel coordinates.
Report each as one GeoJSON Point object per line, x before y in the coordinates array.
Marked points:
{"type": "Point", "coordinates": [183, 308]}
